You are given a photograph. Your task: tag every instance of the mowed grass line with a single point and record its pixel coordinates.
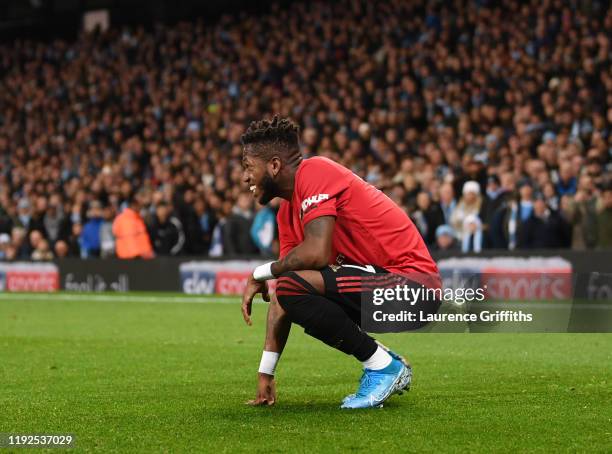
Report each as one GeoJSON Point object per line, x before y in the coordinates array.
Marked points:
{"type": "Point", "coordinates": [149, 377]}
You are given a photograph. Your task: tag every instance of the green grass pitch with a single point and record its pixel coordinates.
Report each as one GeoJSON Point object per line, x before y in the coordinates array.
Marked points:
{"type": "Point", "coordinates": [156, 373]}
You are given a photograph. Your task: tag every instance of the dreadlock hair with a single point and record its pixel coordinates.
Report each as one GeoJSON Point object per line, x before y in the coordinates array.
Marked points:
{"type": "Point", "coordinates": [266, 137]}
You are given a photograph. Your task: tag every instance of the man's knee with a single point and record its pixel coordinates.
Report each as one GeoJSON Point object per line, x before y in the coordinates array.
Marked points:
{"type": "Point", "coordinates": [293, 285]}
{"type": "Point", "coordinates": [306, 281]}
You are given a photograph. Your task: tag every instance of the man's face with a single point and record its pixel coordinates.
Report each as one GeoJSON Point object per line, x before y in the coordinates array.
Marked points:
{"type": "Point", "coordinates": [423, 200]}
{"type": "Point", "coordinates": [539, 207]}
{"type": "Point", "coordinates": [526, 192]}
{"type": "Point", "coordinates": [446, 193]}
{"type": "Point", "coordinates": [444, 241]}
{"type": "Point", "coordinates": [162, 213]}
{"type": "Point", "coordinates": [61, 249]}
{"type": "Point", "coordinates": [257, 175]}
{"type": "Point", "coordinates": [508, 182]}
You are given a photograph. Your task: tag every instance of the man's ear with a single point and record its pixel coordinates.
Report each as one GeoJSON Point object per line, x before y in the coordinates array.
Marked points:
{"type": "Point", "coordinates": [274, 166]}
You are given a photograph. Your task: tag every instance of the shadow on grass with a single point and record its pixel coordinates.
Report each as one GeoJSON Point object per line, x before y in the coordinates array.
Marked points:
{"type": "Point", "coordinates": [319, 410]}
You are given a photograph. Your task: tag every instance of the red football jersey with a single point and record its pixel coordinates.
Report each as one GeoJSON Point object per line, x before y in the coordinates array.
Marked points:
{"type": "Point", "coordinates": [370, 228]}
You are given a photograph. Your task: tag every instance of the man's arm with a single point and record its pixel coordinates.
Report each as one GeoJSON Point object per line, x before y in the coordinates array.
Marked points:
{"type": "Point", "coordinates": [277, 327]}
{"type": "Point", "coordinates": [277, 332]}
{"type": "Point", "coordinates": [312, 253]}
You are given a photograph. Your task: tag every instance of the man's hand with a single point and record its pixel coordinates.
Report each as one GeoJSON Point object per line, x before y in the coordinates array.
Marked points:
{"type": "Point", "coordinates": [252, 288]}
{"type": "Point", "coordinates": [266, 391]}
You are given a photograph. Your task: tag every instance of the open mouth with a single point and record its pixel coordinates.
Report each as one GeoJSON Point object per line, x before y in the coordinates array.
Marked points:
{"type": "Point", "coordinates": [253, 189]}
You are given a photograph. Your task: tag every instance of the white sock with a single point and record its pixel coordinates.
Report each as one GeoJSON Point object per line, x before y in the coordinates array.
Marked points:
{"type": "Point", "coordinates": [379, 360]}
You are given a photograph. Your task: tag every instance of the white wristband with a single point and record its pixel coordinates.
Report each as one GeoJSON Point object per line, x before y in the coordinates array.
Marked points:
{"type": "Point", "coordinates": [268, 362]}
{"type": "Point", "coordinates": [263, 272]}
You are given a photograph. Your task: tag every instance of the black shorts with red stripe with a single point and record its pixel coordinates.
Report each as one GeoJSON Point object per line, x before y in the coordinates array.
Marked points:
{"type": "Point", "coordinates": [353, 288]}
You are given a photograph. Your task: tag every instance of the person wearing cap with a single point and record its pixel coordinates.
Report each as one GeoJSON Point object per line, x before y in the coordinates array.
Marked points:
{"type": "Point", "coordinates": [446, 239]}
{"type": "Point", "coordinates": [470, 203]}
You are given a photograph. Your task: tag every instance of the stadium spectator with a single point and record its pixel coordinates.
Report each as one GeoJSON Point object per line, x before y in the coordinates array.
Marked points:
{"type": "Point", "coordinates": [190, 219]}
{"type": "Point", "coordinates": [24, 214]}
{"type": "Point", "coordinates": [604, 219]}
{"type": "Point", "coordinates": [447, 201]}
{"type": "Point", "coordinates": [581, 213]}
{"type": "Point", "coordinates": [74, 240]}
{"type": "Point", "coordinates": [263, 229]}
{"type": "Point", "coordinates": [166, 231]}
{"type": "Point", "coordinates": [567, 183]}
{"type": "Point", "coordinates": [20, 243]}
{"type": "Point", "coordinates": [493, 199]}
{"type": "Point", "coordinates": [90, 239]}
{"type": "Point", "coordinates": [550, 196]}
{"type": "Point", "coordinates": [35, 239]}
{"type": "Point", "coordinates": [473, 239]}
{"type": "Point", "coordinates": [61, 249]}
{"type": "Point", "coordinates": [107, 240]}
{"type": "Point", "coordinates": [132, 238]}
{"type": "Point", "coordinates": [207, 219]}
{"type": "Point", "coordinates": [54, 220]}
{"type": "Point", "coordinates": [427, 217]}
{"type": "Point", "coordinates": [469, 204]}
{"type": "Point", "coordinates": [42, 252]}
{"type": "Point", "coordinates": [5, 244]}
{"type": "Point", "coordinates": [37, 217]}
{"type": "Point", "coordinates": [506, 225]}
{"type": "Point", "coordinates": [525, 205]}
{"type": "Point", "coordinates": [544, 228]}
{"type": "Point", "coordinates": [237, 229]}
{"type": "Point", "coordinates": [446, 239]}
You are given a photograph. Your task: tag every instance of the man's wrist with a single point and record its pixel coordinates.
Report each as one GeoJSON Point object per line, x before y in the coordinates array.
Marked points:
{"type": "Point", "coordinates": [263, 272]}
{"type": "Point", "coordinates": [274, 269]}
{"type": "Point", "coordinates": [264, 376]}
{"type": "Point", "coordinates": [268, 363]}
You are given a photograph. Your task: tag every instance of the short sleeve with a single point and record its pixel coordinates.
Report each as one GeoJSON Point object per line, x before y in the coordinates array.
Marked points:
{"type": "Point", "coordinates": [320, 184]}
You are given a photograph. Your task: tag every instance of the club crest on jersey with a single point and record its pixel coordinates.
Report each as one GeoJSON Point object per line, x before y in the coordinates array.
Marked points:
{"type": "Point", "coordinates": [311, 202]}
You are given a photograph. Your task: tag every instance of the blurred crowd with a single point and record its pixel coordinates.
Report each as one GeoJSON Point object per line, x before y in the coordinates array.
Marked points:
{"type": "Point", "coordinates": [490, 123]}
